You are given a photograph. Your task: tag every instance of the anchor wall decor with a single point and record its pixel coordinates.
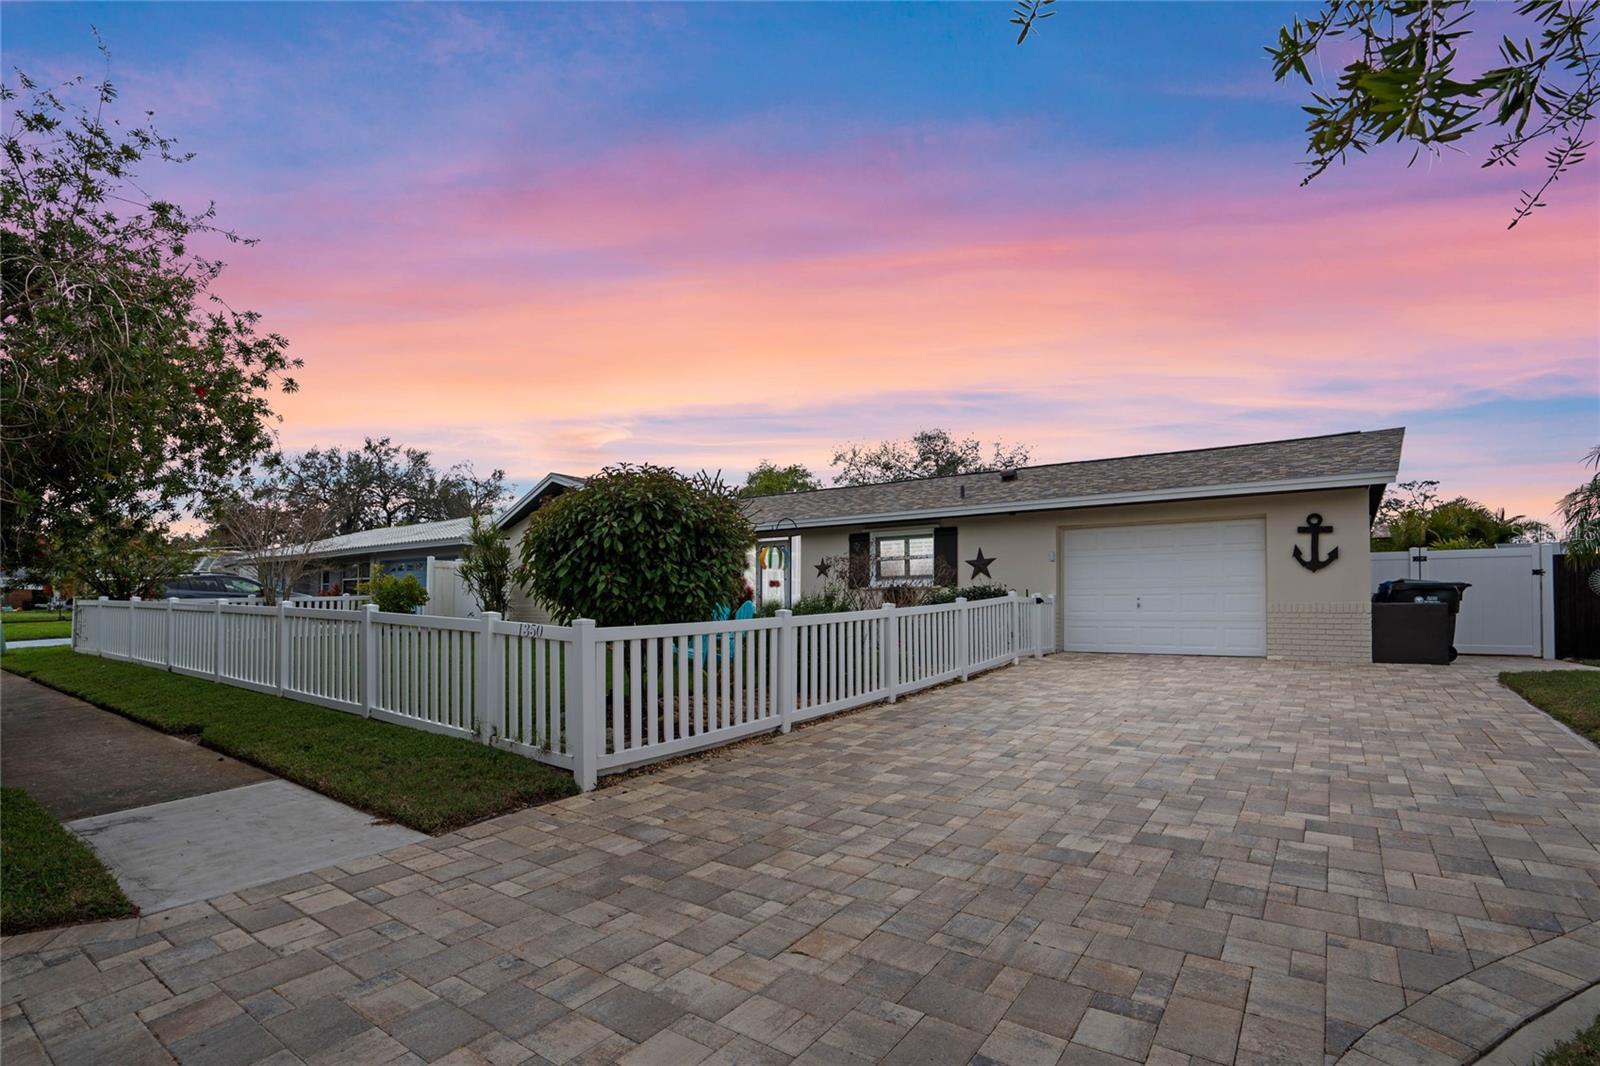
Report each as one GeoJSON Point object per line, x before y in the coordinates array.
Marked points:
{"type": "Point", "coordinates": [1315, 527]}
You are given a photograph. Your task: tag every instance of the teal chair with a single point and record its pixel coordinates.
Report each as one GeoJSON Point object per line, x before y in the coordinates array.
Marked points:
{"type": "Point", "coordinates": [747, 609]}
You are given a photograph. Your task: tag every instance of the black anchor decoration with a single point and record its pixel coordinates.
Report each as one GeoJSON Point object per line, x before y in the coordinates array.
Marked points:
{"type": "Point", "coordinates": [1314, 527]}
{"type": "Point", "coordinates": [824, 567]}
{"type": "Point", "coordinates": [980, 565]}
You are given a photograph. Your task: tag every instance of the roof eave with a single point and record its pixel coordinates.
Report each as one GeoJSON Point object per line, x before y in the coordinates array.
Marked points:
{"type": "Point", "coordinates": [516, 511]}
{"type": "Point", "coordinates": [1251, 488]}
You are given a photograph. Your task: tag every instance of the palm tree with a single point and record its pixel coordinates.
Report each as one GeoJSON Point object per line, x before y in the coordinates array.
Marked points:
{"type": "Point", "coordinates": [1580, 513]}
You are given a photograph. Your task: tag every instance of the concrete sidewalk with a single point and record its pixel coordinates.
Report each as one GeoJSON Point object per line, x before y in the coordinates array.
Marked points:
{"type": "Point", "coordinates": [78, 760]}
{"type": "Point", "coordinates": [175, 822]}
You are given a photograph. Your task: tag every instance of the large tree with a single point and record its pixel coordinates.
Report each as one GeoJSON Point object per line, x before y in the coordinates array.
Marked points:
{"type": "Point", "coordinates": [930, 453]}
{"type": "Point", "coordinates": [770, 479]}
{"type": "Point", "coordinates": [129, 387]}
{"type": "Point", "coordinates": [1404, 81]}
{"type": "Point", "coordinates": [1580, 514]}
{"type": "Point", "coordinates": [384, 484]}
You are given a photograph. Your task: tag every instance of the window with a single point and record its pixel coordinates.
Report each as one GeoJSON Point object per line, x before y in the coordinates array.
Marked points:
{"type": "Point", "coordinates": [902, 558]}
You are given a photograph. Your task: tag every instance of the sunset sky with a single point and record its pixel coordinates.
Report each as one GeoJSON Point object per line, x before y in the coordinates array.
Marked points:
{"type": "Point", "coordinates": [552, 237]}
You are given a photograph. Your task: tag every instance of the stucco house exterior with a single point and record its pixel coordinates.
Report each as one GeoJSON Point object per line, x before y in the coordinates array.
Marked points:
{"type": "Point", "coordinates": [1254, 550]}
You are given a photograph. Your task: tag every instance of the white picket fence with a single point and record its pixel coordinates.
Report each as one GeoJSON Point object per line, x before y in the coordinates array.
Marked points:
{"type": "Point", "coordinates": [592, 699]}
{"type": "Point", "coordinates": [345, 602]}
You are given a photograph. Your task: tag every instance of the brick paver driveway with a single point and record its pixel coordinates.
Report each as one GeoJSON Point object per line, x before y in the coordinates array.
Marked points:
{"type": "Point", "coordinates": [1085, 859]}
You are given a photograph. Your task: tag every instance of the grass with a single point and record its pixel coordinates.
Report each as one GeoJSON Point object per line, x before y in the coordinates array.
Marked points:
{"type": "Point", "coordinates": [36, 629]}
{"type": "Point", "coordinates": [428, 782]}
{"type": "Point", "coordinates": [1580, 1049]}
{"type": "Point", "coordinates": [1570, 696]}
{"type": "Point", "coordinates": [47, 875]}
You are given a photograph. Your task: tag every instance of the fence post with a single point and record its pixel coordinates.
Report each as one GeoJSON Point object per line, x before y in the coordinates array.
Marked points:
{"type": "Point", "coordinates": [891, 651]}
{"type": "Point", "coordinates": [491, 680]}
{"type": "Point", "coordinates": [963, 639]}
{"type": "Point", "coordinates": [1050, 615]}
{"type": "Point", "coordinates": [283, 646]}
{"type": "Point", "coordinates": [171, 600]}
{"type": "Point", "coordinates": [1037, 606]}
{"type": "Point", "coordinates": [100, 623]}
{"type": "Point", "coordinates": [216, 641]}
{"type": "Point", "coordinates": [585, 733]}
{"type": "Point", "coordinates": [369, 660]}
{"type": "Point", "coordinates": [787, 674]}
{"type": "Point", "coordinates": [133, 625]}
{"type": "Point", "coordinates": [1016, 626]}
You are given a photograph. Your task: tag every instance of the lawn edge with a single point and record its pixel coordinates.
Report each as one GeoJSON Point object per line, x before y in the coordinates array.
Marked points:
{"type": "Point", "coordinates": [198, 736]}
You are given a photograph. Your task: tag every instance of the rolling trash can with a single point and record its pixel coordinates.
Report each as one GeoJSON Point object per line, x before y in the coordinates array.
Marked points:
{"type": "Point", "coordinates": [1414, 621]}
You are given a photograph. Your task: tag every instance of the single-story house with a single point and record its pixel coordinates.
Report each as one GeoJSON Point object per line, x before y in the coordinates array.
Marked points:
{"type": "Point", "coordinates": [343, 562]}
{"type": "Point", "coordinates": [1255, 549]}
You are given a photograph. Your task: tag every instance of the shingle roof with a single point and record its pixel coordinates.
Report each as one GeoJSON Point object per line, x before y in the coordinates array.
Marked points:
{"type": "Point", "coordinates": [1353, 459]}
{"type": "Point", "coordinates": [448, 531]}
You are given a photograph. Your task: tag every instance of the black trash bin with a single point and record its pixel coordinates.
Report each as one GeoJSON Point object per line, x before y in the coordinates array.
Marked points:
{"type": "Point", "coordinates": [1415, 621]}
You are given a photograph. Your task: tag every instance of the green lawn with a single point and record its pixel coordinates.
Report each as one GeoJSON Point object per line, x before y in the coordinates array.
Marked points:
{"type": "Point", "coordinates": [1580, 1049]}
{"type": "Point", "coordinates": [429, 782]}
{"type": "Point", "coordinates": [36, 629]}
{"type": "Point", "coordinates": [47, 875]}
{"type": "Point", "coordinates": [1570, 696]}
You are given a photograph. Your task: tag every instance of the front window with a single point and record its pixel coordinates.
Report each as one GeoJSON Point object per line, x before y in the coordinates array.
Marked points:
{"type": "Point", "coordinates": [902, 558]}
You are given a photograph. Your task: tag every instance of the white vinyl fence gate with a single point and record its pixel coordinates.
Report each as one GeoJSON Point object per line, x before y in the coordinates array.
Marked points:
{"type": "Point", "coordinates": [1509, 610]}
{"type": "Point", "coordinates": [595, 700]}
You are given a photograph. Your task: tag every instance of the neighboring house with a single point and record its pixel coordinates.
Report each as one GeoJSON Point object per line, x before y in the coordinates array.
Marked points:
{"type": "Point", "coordinates": [514, 520]}
{"type": "Point", "coordinates": [345, 561]}
{"type": "Point", "coordinates": [1190, 552]}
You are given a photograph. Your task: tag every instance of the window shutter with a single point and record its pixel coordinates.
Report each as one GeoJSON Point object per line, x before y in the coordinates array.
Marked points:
{"type": "Point", "coordinates": [860, 560]}
{"type": "Point", "coordinates": [946, 568]}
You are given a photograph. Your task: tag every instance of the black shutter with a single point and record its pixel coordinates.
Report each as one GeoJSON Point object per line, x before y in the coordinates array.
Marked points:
{"type": "Point", "coordinates": [860, 575]}
{"type": "Point", "coordinates": [946, 568]}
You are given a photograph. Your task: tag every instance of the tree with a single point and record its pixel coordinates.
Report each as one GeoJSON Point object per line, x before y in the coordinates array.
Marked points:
{"type": "Point", "coordinates": [1412, 516]}
{"type": "Point", "coordinates": [1404, 85]}
{"type": "Point", "coordinates": [1580, 513]}
{"type": "Point", "coordinates": [120, 560]}
{"type": "Point", "coordinates": [930, 453]}
{"type": "Point", "coordinates": [486, 565]}
{"type": "Point", "coordinates": [638, 545]}
{"type": "Point", "coordinates": [128, 385]}
{"type": "Point", "coordinates": [274, 526]}
{"type": "Point", "coordinates": [384, 484]}
{"type": "Point", "coordinates": [769, 479]}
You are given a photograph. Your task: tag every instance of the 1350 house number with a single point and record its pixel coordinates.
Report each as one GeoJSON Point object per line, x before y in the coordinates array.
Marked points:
{"type": "Point", "coordinates": [530, 629]}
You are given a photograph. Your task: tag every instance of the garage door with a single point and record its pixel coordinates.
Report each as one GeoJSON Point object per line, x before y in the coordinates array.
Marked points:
{"type": "Point", "coordinates": [1193, 588]}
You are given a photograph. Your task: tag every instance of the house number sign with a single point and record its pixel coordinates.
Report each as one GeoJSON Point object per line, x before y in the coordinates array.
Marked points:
{"type": "Point", "coordinates": [1315, 527]}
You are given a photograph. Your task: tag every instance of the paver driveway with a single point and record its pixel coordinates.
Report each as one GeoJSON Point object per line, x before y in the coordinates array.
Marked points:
{"type": "Point", "coordinates": [1172, 860]}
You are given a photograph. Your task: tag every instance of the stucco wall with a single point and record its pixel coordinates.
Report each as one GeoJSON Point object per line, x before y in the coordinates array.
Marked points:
{"type": "Point", "coordinates": [1310, 615]}
{"type": "Point", "coordinates": [521, 607]}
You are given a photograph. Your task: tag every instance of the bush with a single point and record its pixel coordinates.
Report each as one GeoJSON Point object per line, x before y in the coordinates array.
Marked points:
{"type": "Point", "coordinates": [637, 545]}
{"type": "Point", "coordinates": [831, 600]}
{"type": "Point", "coordinates": [397, 595]}
{"type": "Point", "coordinates": [486, 566]}
{"type": "Point", "coordinates": [971, 592]}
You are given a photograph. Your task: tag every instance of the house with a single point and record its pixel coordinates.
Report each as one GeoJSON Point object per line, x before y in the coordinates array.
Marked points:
{"type": "Point", "coordinates": [1255, 549]}
{"type": "Point", "coordinates": [345, 561]}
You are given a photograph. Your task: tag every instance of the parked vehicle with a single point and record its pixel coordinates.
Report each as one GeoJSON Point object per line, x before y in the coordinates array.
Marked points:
{"type": "Point", "coordinates": [213, 587]}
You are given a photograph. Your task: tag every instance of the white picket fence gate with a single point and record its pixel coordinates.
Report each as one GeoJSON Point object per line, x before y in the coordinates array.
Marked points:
{"type": "Point", "coordinates": [1510, 608]}
{"type": "Point", "coordinates": [594, 700]}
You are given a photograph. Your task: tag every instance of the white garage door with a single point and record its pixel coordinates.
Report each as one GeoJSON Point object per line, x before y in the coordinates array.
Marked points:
{"type": "Point", "coordinates": [1193, 588]}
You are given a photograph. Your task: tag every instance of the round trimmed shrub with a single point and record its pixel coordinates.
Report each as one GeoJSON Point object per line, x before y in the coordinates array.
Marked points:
{"type": "Point", "coordinates": [637, 545]}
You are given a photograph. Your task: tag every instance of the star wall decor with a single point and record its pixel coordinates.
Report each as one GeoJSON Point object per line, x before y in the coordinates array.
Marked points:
{"type": "Point", "coordinates": [824, 567]}
{"type": "Point", "coordinates": [980, 565]}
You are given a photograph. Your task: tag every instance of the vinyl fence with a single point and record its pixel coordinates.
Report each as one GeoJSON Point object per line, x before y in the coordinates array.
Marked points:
{"type": "Point", "coordinates": [594, 700]}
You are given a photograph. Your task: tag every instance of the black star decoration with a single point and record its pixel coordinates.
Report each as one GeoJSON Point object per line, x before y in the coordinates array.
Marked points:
{"type": "Point", "coordinates": [823, 568]}
{"type": "Point", "coordinates": [980, 565]}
